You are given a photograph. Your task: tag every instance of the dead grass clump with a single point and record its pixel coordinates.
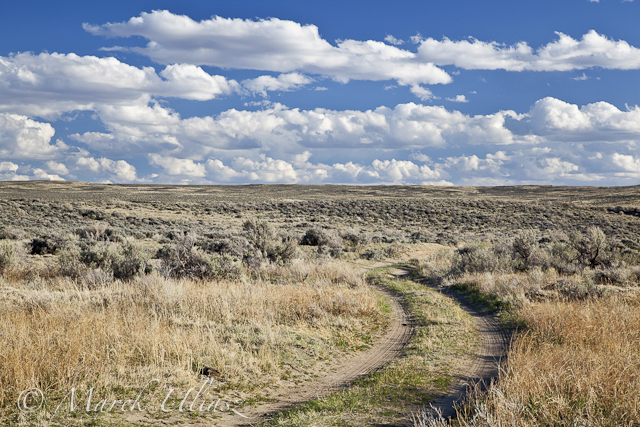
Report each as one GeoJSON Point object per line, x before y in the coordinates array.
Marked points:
{"type": "Point", "coordinates": [111, 333]}
{"type": "Point", "coordinates": [318, 273]}
{"type": "Point", "coordinates": [8, 256]}
{"type": "Point", "coordinates": [576, 364]}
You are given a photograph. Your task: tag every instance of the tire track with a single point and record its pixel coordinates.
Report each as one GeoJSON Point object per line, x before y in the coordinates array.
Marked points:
{"type": "Point", "coordinates": [385, 350]}
{"type": "Point", "coordinates": [490, 351]}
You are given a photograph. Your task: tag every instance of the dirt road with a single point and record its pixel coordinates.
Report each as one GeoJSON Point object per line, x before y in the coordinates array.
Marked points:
{"type": "Point", "coordinates": [386, 349]}
{"type": "Point", "coordinates": [491, 348]}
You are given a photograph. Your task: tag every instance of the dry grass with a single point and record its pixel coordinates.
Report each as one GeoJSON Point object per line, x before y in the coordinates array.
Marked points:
{"type": "Point", "coordinates": [55, 336]}
{"type": "Point", "coordinates": [577, 364]}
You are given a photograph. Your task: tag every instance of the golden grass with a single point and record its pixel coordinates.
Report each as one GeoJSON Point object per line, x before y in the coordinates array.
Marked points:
{"type": "Point", "coordinates": [55, 336]}
{"type": "Point", "coordinates": [577, 364]}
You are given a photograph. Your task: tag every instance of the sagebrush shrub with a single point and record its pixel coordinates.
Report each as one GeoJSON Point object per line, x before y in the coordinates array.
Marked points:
{"type": "Point", "coordinates": [11, 233]}
{"type": "Point", "coordinates": [322, 237]}
{"type": "Point", "coordinates": [263, 237]}
{"type": "Point", "coordinates": [70, 264]}
{"type": "Point", "coordinates": [480, 259]}
{"type": "Point", "coordinates": [129, 261]}
{"type": "Point", "coordinates": [524, 246]}
{"type": "Point", "coordinates": [184, 259]}
{"type": "Point", "coordinates": [50, 244]}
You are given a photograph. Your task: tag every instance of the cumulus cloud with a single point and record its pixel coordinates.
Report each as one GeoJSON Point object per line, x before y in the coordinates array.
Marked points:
{"type": "Point", "coordinates": [24, 138]}
{"type": "Point", "coordinates": [41, 174]}
{"type": "Point", "coordinates": [423, 93]}
{"type": "Point", "coordinates": [174, 166]}
{"type": "Point", "coordinates": [394, 41]}
{"type": "Point", "coordinates": [458, 98]}
{"type": "Point", "coordinates": [627, 163]}
{"type": "Point", "coordinates": [8, 167]}
{"type": "Point", "coordinates": [57, 168]}
{"type": "Point", "coordinates": [47, 85]}
{"type": "Point", "coordinates": [271, 45]}
{"type": "Point", "coordinates": [600, 121]}
{"type": "Point", "coordinates": [284, 82]}
{"type": "Point", "coordinates": [268, 170]}
{"type": "Point", "coordinates": [144, 129]}
{"type": "Point", "coordinates": [564, 54]}
{"type": "Point", "coordinates": [117, 170]}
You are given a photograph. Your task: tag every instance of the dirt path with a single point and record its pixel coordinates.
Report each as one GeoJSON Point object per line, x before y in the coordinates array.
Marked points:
{"type": "Point", "coordinates": [493, 343]}
{"type": "Point", "coordinates": [386, 349]}
{"type": "Point", "coordinates": [491, 349]}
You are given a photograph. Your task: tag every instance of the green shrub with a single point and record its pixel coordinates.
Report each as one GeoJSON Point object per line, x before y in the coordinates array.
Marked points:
{"type": "Point", "coordinates": [129, 261]}
{"type": "Point", "coordinates": [592, 248]}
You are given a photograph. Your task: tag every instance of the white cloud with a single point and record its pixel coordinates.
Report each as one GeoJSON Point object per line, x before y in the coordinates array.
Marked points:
{"type": "Point", "coordinates": [48, 85]}
{"type": "Point", "coordinates": [24, 138]}
{"type": "Point", "coordinates": [583, 77]}
{"type": "Point", "coordinates": [57, 168]}
{"type": "Point", "coordinates": [174, 166]}
{"type": "Point", "coordinates": [557, 167]}
{"type": "Point", "coordinates": [8, 167]}
{"type": "Point", "coordinates": [420, 157]}
{"type": "Point", "coordinates": [627, 162]}
{"type": "Point", "coordinates": [269, 170]}
{"type": "Point", "coordinates": [458, 98]}
{"type": "Point", "coordinates": [191, 82]}
{"type": "Point", "coordinates": [271, 45]}
{"type": "Point", "coordinates": [392, 40]}
{"type": "Point", "coordinates": [423, 93]}
{"type": "Point", "coordinates": [145, 129]}
{"type": "Point", "coordinates": [117, 170]}
{"type": "Point", "coordinates": [400, 171]}
{"type": "Point", "coordinates": [284, 82]}
{"type": "Point", "coordinates": [564, 54]}
{"type": "Point", "coordinates": [599, 121]}
{"type": "Point", "coordinates": [41, 174]}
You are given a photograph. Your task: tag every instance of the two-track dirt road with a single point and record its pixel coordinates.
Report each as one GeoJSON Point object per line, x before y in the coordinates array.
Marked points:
{"type": "Point", "coordinates": [491, 348]}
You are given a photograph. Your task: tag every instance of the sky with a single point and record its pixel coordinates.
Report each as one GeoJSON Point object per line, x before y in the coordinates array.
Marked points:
{"type": "Point", "coordinates": [455, 92]}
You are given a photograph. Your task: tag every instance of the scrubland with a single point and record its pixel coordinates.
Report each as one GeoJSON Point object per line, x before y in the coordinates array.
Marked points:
{"type": "Point", "coordinates": [575, 356]}
{"type": "Point", "coordinates": [112, 286]}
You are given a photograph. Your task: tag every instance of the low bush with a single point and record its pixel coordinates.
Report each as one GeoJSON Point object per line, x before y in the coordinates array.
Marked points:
{"type": "Point", "coordinates": [322, 237]}
{"type": "Point", "coordinates": [184, 259]}
{"type": "Point", "coordinates": [50, 244]}
{"type": "Point", "coordinates": [264, 239]}
{"type": "Point", "coordinates": [11, 233]}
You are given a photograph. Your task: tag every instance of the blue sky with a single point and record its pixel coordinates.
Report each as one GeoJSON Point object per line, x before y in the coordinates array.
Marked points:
{"type": "Point", "coordinates": [406, 92]}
